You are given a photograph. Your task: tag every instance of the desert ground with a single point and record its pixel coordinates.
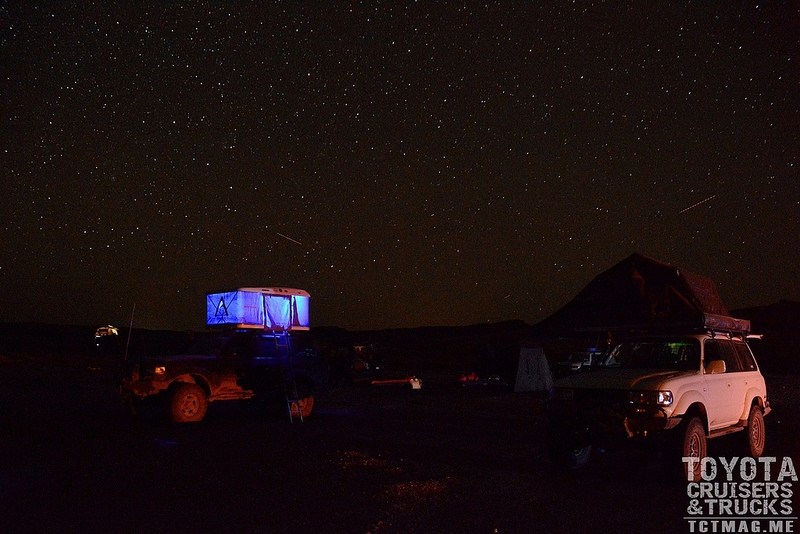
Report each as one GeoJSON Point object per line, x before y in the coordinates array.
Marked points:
{"type": "Point", "coordinates": [368, 460]}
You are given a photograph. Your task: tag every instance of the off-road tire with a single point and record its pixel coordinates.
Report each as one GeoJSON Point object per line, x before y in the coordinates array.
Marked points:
{"type": "Point", "coordinates": [756, 436]}
{"type": "Point", "coordinates": [694, 446]}
{"type": "Point", "coordinates": [564, 453]}
{"type": "Point", "coordinates": [577, 457]}
{"type": "Point", "coordinates": [189, 404]}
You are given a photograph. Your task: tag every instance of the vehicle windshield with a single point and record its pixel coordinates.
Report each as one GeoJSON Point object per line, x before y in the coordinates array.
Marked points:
{"type": "Point", "coordinates": [578, 358]}
{"type": "Point", "coordinates": [208, 345]}
{"type": "Point", "coordinates": [677, 354]}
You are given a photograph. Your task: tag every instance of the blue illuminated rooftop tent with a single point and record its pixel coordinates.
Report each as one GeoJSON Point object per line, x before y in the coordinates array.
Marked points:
{"type": "Point", "coordinates": [276, 309]}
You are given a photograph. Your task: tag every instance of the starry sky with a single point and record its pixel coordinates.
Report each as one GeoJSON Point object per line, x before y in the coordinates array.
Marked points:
{"type": "Point", "coordinates": [408, 164]}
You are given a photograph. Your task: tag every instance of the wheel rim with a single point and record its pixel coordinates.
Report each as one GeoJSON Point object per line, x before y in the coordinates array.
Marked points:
{"type": "Point", "coordinates": [694, 446]}
{"type": "Point", "coordinates": [579, 451]}
{"type": "Point", "coordinates": [189, 405]}
{"type": "Point", "coordinates": [756, 432]}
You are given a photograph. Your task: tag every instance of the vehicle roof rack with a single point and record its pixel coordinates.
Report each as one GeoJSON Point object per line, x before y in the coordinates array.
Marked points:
{"type": "Point", "coordinates": [710, 323]}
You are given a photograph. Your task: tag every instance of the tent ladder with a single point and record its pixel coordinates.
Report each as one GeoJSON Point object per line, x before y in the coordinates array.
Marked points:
{"type": "Point", "coordinates": [293, 406]}
{"type": "Point", "coordinates": [283, 343]}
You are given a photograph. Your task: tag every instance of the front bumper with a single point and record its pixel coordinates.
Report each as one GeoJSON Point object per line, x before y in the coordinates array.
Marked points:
{"type": "Point", "coordinates": [141, 387]}
{"type": "Point", "coordinates": [609, 425]}
{"type": "Point", "coordinates": [646, 421]}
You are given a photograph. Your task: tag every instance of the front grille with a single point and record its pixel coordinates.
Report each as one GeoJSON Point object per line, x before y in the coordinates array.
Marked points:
{"type": "Point", "coordinates": [607, 398]}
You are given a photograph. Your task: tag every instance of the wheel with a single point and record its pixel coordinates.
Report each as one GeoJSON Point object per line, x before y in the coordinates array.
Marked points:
{"type": "Point", "coordinates": [567, 452]}
{"type": "Point", "coordinates": [577, 457]}
{"type": "Point", "coordinates": [756, 436]}
{"type": "Point", "coordinates": [302, 407]}
{"type": "Point", "coordinates": [189, 404]}
{"type": "Point", "coordinates": [694, 446]}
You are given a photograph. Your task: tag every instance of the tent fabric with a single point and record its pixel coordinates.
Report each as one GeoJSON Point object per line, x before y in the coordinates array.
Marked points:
{"type": "Point", "coordinates": [639, 291]}
{"type": "Point", "coordinates": [276, 310]}
{"type": "Point", "coordinates": [533, 372]}
{"type": "Point", "coordinates": [234, 308]}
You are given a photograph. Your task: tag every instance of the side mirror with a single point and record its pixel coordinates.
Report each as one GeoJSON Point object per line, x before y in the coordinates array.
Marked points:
{"type": "Point", "coordinates": [715, 367]}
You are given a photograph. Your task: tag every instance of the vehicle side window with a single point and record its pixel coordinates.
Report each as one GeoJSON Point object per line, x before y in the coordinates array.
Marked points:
{"type": "Point", "coordinates": [722, 349]}
{"type": "Point", "coordinates": [745, 356]}
{"type": "Point", "coordinates": [240, 348]}
{"type": "Point", "coordinates": [250, 349]}
{"type": "Point", "coordinates": [711, 353]}
{"type": "Point", "coordinates": [266, 347]}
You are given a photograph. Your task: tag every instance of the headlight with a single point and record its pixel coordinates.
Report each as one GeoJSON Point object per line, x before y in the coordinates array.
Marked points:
{"type": "Point", "coordinates": [160, 370]}
{"type": "Point", "coordinates": [660, 398]}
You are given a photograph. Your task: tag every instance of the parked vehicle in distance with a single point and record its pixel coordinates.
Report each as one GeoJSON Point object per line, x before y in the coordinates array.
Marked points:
{"type": "Point", "coordinates": [235, 365]}
{"type": "Point", "coordinates": [577, 362]}
{"type": "Point", "coordinates": [106, 331]}
{"type": "Point", "coordinates": [260, 348]}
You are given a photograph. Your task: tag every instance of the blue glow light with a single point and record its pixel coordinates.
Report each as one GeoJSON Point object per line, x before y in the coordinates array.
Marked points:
{"type": "Point", "coordinates": [275, 309]}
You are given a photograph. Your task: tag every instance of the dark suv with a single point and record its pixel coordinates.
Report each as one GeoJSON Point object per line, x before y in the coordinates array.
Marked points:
{"type": "Point", "coordinates": [231, 365]}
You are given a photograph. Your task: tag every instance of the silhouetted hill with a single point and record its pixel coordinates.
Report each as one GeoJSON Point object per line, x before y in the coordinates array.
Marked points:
{"type": "Point", "coordinates": [77, 341]}
{"type": "Point", "coordinates": [490, 348]}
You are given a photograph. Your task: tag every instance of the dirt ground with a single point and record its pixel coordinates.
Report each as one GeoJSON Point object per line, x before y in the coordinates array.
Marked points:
{"type": "Point", "coordinates": [368, 460]}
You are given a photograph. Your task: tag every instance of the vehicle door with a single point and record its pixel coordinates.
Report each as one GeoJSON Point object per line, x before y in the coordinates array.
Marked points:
{"type": "Point", "coordinates": [260, 369]}
{"type": "Point", "coordinates": [748, 376]}
{"type": "Point", "coordinates": [722, 407]}
{"type": "Point", "coordinates": [235, 361]}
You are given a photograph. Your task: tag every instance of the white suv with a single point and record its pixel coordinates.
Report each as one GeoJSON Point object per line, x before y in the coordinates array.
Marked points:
{"type": "Point", "coordinates": [688, 385]}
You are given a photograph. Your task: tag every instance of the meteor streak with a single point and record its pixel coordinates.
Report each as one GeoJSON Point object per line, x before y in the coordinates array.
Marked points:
{"type": "Point", "coordinates": [289, 238]}
{"type": "Point", "coordinates": [698, 203]}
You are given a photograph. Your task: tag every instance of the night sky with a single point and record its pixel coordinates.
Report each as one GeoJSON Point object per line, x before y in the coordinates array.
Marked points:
{"type": "Point", "coordinates": [408, 164]}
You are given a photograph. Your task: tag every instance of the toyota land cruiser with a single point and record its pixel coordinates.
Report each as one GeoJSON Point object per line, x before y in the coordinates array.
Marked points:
{"type": "Point", "coordinates": [690, 385]}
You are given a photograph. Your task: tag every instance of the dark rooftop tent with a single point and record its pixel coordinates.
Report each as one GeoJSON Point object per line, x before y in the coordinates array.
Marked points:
{"type": "Point", "coordinates": [640, 292]}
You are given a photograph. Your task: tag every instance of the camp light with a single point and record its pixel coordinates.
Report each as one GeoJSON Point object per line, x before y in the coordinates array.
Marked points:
{"type": "Point", "coordinates": [661, 398]}
{"type": "Point", "coordinates": [160, 370]}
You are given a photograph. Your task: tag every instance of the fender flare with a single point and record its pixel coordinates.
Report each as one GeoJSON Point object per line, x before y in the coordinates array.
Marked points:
{"type": "Point", "coordinates": [191, 378]}
{"type": "Point", "coordinates": [185, 378]}
{"type": "Point", "coordinates": [752, 397]}
{"type": "Point", "coordinates": [689, 400]}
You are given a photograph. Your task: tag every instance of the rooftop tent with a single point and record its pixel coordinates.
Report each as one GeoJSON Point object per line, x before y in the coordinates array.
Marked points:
{"type": "Point", "coordinates": [275, 309]}
{"type": "Point", "coordinates": [640, 291]}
